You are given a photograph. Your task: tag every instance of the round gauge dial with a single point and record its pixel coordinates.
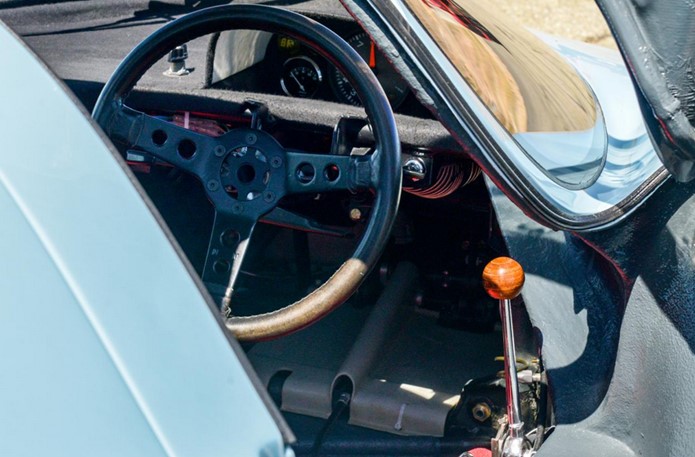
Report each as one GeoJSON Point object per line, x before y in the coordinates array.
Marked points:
{"type": "Point", "coordinates": [394, 86]}
{"type": "Point", "coordinates": [301, 77]}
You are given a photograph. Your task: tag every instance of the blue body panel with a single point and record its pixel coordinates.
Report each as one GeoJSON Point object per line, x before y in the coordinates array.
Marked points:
{"type": "Point", "coordinates": [107, 345]}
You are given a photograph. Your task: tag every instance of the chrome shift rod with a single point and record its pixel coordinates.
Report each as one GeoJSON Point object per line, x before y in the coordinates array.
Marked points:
{"type": "Point", "coordinates": [503, 279]}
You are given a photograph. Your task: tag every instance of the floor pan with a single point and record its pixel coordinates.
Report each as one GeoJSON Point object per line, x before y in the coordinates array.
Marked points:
{"type": "Point", "coordinates": [406, 371]}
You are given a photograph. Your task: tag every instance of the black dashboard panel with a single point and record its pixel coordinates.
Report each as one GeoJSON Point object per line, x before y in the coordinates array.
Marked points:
{"type": "Point", "coordinates": [288, 67]}
{"type": "Point", "coordinates": [85, 43]}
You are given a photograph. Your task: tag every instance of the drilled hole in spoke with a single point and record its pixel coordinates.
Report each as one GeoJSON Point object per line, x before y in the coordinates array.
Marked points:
{"type": "Point", "coordinates": [186, 149]}
{"type": "Point", "coordinates": [331, 172]}
{"type": "Point", "coordinates": [159, 137]}
{"type": "Point", "coordinates": [221, 266]}
{"type": "Point", "coordinates": [230, 238]}
{"type": "Point", "coordinates": [305, 173]}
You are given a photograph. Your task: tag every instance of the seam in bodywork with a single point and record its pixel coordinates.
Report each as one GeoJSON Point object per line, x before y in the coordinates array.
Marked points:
{"type": "Point", "coordinates": [76, 292]}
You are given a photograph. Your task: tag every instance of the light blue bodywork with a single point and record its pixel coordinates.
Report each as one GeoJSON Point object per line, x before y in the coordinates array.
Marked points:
{"type": "Point", "coordinates": [107, 345]}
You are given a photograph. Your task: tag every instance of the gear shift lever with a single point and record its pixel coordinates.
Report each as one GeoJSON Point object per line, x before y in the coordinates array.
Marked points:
{"type": "Point", "coordinates": [503, 279]}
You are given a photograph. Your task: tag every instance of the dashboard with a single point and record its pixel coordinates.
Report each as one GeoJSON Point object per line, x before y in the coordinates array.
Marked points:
{"type": "Point", "coordinates": [246, 63]}
{"type": "Point", "coordinates": [263, 62]}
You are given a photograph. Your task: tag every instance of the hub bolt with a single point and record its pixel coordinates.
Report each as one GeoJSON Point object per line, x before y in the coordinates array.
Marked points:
{"type": "Point", "coordinates": [276, 162]}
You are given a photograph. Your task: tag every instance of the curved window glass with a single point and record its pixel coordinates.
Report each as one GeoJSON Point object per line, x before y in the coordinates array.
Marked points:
{"type": "Point", "coordinates": [533, 93]}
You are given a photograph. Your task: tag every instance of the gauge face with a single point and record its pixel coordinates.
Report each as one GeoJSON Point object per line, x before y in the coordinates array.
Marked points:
{"type": "Point", "coordinates": [394, 86]}
{"type": "Point", "coordinates": [301, 77]}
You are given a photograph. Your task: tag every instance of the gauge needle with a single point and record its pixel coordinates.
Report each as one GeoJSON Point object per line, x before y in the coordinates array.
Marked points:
{"type": "Point", "coordinates": [301, 86]}
{"type": "Point", "coordinates": [372, 56]}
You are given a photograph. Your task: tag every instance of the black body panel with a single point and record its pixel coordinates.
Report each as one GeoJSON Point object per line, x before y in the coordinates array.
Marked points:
{"type": "Point", "coordinates": [657, 40]}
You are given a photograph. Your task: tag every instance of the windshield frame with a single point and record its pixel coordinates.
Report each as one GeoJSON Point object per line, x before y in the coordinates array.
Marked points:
{"type": "Point", "coordinates": [441, 88]}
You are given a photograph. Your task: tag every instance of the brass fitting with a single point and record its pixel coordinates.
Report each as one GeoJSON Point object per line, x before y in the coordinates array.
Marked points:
{"type": "Point", "coordinates": [355, 214]}
{"type": "Point", "coordinates": [481, 412]}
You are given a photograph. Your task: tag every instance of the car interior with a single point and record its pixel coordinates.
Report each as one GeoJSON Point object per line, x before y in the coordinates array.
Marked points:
{"type": "Point", "coordinates": [411, 363]}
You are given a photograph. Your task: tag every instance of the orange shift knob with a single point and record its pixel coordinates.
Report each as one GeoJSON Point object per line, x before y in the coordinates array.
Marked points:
{"type": "Point", "coordinates": [503, 278]}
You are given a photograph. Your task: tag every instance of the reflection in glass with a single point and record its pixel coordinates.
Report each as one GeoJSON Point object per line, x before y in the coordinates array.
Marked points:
{"type": "Point", "coordinates": [532, 92]}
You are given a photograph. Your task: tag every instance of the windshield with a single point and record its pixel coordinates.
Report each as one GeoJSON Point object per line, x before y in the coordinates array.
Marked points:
{"type": "Point", "coordinates": [537, 97]}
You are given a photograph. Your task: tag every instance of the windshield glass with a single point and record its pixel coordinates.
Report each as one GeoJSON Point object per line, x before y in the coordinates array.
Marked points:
{"type": "Point", "coordinates": [533, 93]}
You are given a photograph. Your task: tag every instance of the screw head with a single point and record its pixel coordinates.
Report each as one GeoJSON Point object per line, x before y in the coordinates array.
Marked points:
{"type": "Point", "coordinates": [220, 150]}
{"type": "Point", "coordinates": [276, 162]}
{"type": "Point", "coordinates": [237, 208]}
{"type": "Point", "coordinates": [213, 185]}
{"type": "Point", "coordinates": [251, 138]}
{"type": "Point", "coordinates": [268, 196]}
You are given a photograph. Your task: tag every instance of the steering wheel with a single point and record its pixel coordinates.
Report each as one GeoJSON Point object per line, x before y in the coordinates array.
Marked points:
{"type": "Point", "coordinates": [251, 161]}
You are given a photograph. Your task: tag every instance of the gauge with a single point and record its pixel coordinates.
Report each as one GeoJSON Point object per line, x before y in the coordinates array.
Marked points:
{"type": "Point", "coordinates": [394, 86]}
{"type": "Point", "coordinates": [301, 77]}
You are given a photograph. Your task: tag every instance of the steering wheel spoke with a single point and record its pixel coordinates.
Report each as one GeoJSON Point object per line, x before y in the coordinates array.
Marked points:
{"type": "Point", "coordinates": [288, 219]}
{"type": "Point", "coordinates": [164, 140]}
{"type": "Point", "coordinates": [229, 240]}
{"type": "Point", "coordinates": [307, 173]}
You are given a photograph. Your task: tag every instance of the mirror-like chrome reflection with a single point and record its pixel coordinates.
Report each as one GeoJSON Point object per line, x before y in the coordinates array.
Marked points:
{"type": "Point", "coordinates": [535, 94]}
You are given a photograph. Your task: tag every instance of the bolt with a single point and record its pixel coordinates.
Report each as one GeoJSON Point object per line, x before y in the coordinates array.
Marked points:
{"type": "Point", "coordinates": [251, 138]}
{"type": "Point", "coordinates": [415, 164]}
{"type": "Point", "coordinates": [237, 208]}
{"type": "Point", "coordinates": [276, 162]}
{"type": "Point", "coordinates": [268, 197]}
{"type": "Point", "coordinates": [355, 214]}
{"type": "Point", "coordinates": [481, 412]}
{"type": "Point", "coordinates": [220, 150]}
{"type": "Point", "coordinates": [213, 185]}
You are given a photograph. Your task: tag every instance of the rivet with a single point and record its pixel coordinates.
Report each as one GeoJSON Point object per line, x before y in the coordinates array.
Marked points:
{"type": "Point", "coordinates": [220, 150]}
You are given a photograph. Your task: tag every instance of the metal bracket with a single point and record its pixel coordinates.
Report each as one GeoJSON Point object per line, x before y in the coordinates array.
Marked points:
{"type": "Point", "coordinates": [260, 114]}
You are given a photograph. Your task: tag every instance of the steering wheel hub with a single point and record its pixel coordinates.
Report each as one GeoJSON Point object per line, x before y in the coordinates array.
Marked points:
{"type": "Point", "coordinates": [245, 173]}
